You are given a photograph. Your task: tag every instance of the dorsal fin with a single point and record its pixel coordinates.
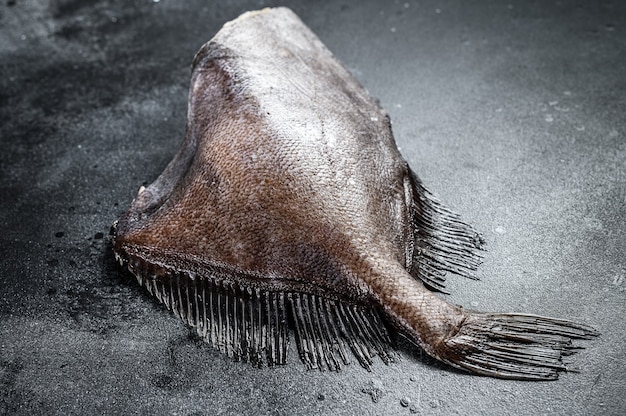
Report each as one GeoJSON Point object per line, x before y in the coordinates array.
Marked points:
{"type": "Point", "coordinates": [252, 325]}
{"type": "Point", "coordinates": [323, 327]}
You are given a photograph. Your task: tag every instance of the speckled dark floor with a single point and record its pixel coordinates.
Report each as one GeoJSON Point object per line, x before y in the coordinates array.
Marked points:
{"type": "Point", "coordinates": [514, 112]}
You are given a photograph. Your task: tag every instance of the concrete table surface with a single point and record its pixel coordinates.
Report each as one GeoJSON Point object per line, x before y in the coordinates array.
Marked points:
{"type": "Point", "coordinates": [514, 112]}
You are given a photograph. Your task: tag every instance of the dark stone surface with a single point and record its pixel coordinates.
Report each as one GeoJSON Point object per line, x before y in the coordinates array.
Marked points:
{"type": "Point", "coordinates": [514, 112]}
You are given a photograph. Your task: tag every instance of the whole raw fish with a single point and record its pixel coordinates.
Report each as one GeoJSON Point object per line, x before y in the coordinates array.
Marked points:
{"type": "Point", "coordinates": [289, 205]}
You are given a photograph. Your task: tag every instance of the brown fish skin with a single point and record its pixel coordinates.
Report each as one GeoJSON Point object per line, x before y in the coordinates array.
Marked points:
{"type": "Point", "coordinates": [289, 181]}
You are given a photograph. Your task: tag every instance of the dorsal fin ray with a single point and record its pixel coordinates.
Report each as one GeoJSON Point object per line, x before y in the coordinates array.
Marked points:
{"type": "Point", "coordinates": [252, 325]}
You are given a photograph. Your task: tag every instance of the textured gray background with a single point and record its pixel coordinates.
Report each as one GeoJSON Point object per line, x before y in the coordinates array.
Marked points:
{"type": "Point", "coordinates": [513, 112]}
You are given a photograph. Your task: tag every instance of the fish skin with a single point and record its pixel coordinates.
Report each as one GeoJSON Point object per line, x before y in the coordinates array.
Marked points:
{"type": "Point", "coordinates": [289, 180]}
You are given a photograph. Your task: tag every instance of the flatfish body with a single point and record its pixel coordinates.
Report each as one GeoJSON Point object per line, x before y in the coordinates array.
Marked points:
{"type": "Point", "coordinates": [289, 208]}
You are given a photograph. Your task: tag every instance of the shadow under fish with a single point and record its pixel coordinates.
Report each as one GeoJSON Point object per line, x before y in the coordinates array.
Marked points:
{"type": "Point", "coordinates": [289, 206]}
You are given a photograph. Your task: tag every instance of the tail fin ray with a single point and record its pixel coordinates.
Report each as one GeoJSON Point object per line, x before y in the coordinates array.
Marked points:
{"type": "Point", "coordinates": [515, 346]}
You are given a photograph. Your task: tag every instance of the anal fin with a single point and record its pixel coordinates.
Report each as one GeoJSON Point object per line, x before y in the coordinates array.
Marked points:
{"type": "Point", "coordinates": [443, 241]}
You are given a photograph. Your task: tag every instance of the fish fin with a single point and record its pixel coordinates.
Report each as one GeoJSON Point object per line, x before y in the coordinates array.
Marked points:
{"type": "Point", "coordinates": [253, 325]}
{"type": "Point", "coordinates": [514, 346]}
{"type": "Point", "coordinates": [246, 324]}
{"type": "Point", "coordinates": [322, 328]}
{"type": "Point", "coordinates": [442, 240]}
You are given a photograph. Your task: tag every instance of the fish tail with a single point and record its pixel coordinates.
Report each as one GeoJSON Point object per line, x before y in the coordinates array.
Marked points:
{"type": "Point", "coordinates": [514, 346]}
